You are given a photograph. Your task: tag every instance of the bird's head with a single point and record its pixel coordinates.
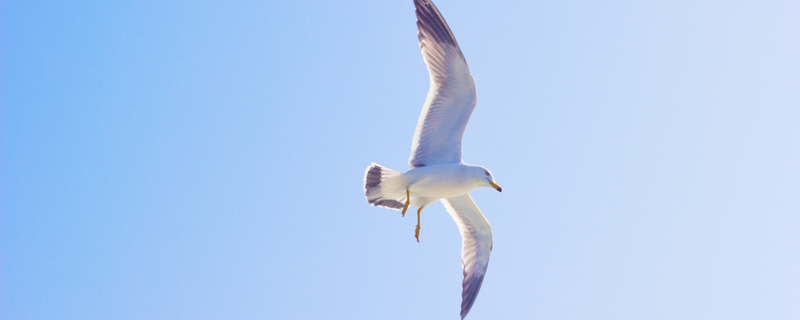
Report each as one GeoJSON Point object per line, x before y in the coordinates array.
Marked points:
{"type": "Point", "coordinates": [488, 179]}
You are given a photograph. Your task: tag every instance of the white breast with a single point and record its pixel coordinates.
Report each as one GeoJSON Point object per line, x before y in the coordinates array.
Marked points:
{"type": "Point", "coordinates": [440, 181]}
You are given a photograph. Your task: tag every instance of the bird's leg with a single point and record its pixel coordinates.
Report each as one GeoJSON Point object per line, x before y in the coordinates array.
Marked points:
{"type": "Point", "coordinates": [408, 202]}
{"type": "Point", "coordinates": [416, 232]}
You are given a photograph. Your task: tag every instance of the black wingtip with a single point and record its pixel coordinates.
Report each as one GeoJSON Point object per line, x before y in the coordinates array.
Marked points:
{"type": "Point", "coordinates": [470, 289]}
{"type": "Point", "coordinates": [431, 24]}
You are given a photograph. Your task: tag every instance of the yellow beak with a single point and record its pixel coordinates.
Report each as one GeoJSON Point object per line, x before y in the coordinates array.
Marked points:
{"type": "Point", "coordinates": [495, 186]}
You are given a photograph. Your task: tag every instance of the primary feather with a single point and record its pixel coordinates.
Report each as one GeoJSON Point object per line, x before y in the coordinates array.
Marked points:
{"type": "Point", "coordinates": [476, 245]}
{"type": "Point", "coordinates": [451, 98]}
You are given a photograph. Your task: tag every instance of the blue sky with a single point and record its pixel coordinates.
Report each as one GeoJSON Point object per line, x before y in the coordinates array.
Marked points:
{"type": "Point", "coordinates": [205, 161]}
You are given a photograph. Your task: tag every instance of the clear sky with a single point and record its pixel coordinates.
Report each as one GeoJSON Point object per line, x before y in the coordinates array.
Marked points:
{"type": "Point", "coordinates": [185, 160]}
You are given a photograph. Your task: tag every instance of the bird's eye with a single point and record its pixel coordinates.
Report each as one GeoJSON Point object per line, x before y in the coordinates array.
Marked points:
{"type": "Point", "coordinates": [487, 173]}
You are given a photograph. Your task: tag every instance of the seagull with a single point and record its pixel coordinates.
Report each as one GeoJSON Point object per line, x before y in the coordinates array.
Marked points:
{"type": "Point", "coordinates": [437, 170]}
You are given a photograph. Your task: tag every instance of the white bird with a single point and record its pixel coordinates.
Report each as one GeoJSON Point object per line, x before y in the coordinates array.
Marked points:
{"type": "Point", "coordinates": [437, 170]}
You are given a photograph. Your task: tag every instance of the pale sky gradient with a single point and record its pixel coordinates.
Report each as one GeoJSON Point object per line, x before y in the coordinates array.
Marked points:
{"type": "Point", "coordinates": [184, 160]}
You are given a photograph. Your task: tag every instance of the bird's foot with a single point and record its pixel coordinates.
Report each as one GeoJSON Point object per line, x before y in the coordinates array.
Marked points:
{"type": "Point", "coordinates": [408, 202]}
{"type": "Point", "coordinates": [416, 232]}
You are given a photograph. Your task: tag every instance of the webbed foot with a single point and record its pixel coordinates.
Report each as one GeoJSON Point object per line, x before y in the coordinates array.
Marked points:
{"type": "Point", "coordinates": [416, 232]}
{"type": "Point", "coordinates": [408, 202]}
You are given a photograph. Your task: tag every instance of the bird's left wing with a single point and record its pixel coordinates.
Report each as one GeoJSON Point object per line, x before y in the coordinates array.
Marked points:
{"type": "Point", "coordinates": [476, 244]}
{"type": "Point", "coordinates": [451, 97]}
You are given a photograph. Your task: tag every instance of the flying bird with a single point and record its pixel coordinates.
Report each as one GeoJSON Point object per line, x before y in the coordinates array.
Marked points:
{"type": "Point", "coordinates": [437, 170]}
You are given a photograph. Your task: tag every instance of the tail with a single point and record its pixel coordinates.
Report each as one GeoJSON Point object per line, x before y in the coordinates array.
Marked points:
{"type": "Point", "coordinates": [384, 187]}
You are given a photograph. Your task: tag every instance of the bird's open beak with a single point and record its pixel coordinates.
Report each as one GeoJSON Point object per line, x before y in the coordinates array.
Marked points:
{"type": "Point", "coordinates": [495, 186]}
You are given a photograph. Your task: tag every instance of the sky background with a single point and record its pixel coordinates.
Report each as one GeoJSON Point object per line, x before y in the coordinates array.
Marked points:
{"type": "Point", "coordinates": [184, 160]}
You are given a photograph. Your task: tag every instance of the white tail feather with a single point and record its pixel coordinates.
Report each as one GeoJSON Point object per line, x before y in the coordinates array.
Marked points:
{"type": "Point", "coordinates": [383, 187]}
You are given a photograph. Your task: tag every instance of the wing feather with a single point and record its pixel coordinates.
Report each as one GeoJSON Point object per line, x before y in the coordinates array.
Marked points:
{"type": "Point", "coordinates": [451, 98]}
{"type": "Point", "coordinates": [476, 245]}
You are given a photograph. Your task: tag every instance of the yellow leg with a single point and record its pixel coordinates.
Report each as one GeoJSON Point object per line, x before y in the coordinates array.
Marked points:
{"type": "Point", "coordinates": [408, 202]}
{"type": "Point", "coordinates": [416, 232]}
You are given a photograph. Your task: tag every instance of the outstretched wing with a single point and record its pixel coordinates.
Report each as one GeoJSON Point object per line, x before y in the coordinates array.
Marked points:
{"type": "Point", "coordinates": [451, 98]}
{"type": "Point", "coordinates": [476, 244]}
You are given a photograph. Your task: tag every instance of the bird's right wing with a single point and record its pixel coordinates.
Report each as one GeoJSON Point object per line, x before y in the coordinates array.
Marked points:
{"type": "Point", "coordinates": [476, 244]}
{"type": "Point", "coordinates": [451, 97]}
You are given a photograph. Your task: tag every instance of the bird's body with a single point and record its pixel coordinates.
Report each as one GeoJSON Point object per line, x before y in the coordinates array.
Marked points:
{"type": "Point", "coordinates": [430, 183]}
{"type": "Point", "coordinates": [444, 180]}
{"type": "Point", "coordinates": [437, 170]}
